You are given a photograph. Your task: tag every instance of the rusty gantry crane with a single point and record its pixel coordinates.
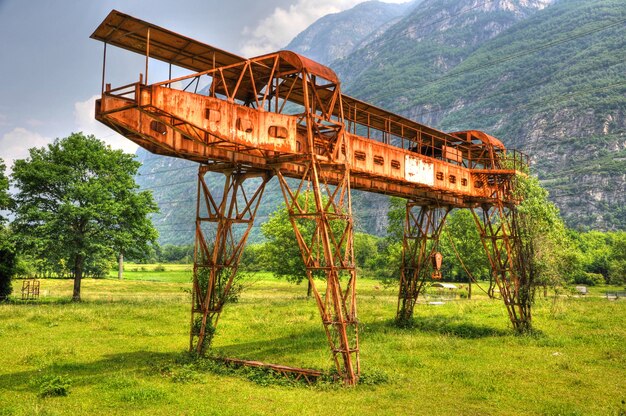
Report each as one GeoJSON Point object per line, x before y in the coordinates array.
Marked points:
{"type": "Point", "coordinates": [282, 115]}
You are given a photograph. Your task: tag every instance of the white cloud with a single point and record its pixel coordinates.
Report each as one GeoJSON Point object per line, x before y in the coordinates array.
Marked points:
{"type": "Point", "coordinates": [84, 117]}
{"type": "Point", "coordinates": [15, 144]}
{"type": "Point", "coordinates": [33, 122]}
{"type": "Point", "coordinates": [277, 30]}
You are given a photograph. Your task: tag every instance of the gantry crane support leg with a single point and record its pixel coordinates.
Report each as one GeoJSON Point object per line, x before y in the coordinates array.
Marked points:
{"type": "Point", "coordinates": [321, 216]}
{"type": "Point", "coordinates": [223, 222]}
{"type": "Point", "coordinates": [422, 227]}
{"type": "Point", "coordinates": [498, 226]}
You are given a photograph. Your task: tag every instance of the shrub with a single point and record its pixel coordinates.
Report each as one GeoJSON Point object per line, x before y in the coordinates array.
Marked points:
{"type": "Point", "coordinates": [54, 386]}
{"type": "Point", "coordinates": [589, 279]}
{"type": "Point", "coordinates": [374, 377]}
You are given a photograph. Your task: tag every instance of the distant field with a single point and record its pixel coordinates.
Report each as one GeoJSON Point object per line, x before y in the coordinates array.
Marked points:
{"type": "Point", "coordinates": [180, 273]}
{"type": "Point", "coordinates": [121, 349]}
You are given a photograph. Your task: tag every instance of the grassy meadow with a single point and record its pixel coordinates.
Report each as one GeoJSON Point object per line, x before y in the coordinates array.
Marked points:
{"type": "Point", "coordinates": [122, 351]}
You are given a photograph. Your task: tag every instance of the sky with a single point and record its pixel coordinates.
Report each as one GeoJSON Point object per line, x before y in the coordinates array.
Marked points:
{"type": "Point", "coordinates": [51, 71]}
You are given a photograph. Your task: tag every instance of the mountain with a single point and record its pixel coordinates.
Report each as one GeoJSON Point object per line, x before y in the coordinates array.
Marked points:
{"type": "Point", "coordinates": [545, 78]}
{"type": "Point", "coordinates": [336, 35]}
{"type": "Point", "coordinates": [425, 44]}
{"type": "Point", "coordinates": [551, 84]}
{"type": "Point", "coordinates": [173, 183]}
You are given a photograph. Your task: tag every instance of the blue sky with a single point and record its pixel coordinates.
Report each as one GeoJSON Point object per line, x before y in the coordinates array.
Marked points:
{"type": "Point", "coordinates": [50, 70]}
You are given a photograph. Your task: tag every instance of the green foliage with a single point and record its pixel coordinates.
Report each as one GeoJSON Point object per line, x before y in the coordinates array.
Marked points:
{"type": "Point", "coordinates": [589, 279]}
{"type": "Point", "coordinates": [550, 256]}
{"type": "Point", "coordinates": [170, 253]}
{"type": "Point", "coordinates": [365, 250]}
{"type": "Point", "coordinates": [460, 232]}
{"type": "Point", "coordinates": [5, 198]}
{"type": "Point", "coordinates": [54, 386]}
{"type": "Point", "coordinates": [282, 251]}
{"type": "Point", "coordinates": [77, 206]}
{"type": "Point", "coordinates": [617, 268]}
{"type": "Point", "coordinates": [600, 254]}
{"type": "Point", "coordinates": [254, 258]}
{"type": "Point", "coordinates": [8, 263]}
{"type": "Point", "coordinates": [395, 216]}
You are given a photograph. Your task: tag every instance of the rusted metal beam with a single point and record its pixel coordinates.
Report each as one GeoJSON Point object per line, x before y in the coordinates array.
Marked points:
{"type": "Point", "coordinates": [283, 114]}
{"type": "Point", "coordinates": [498, 226]}
{"type": "Point", "coordinates": [223, 222]}
{"type": "Point", "coordinates": [422, 228]}
{"type": "Point", "coordinates": [306, 374]}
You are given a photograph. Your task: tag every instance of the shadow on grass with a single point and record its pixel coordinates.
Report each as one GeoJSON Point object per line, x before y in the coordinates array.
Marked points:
{"type": "Point", "coordinates": [15, 301]}
{"type": "Point", "coordinates": [274, 349]}
{"type": "Point", "coordinates": [438, 324]}
{"type": "Point", "coordinates": [123, 299]}
{"type": "Point", "coordinates": [88, 373]}
{"type": "Point", "coordinates": [114, 366]}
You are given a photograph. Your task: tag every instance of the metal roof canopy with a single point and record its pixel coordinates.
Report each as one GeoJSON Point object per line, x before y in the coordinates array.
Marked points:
{"type": "Point", "coordinates": [139, 36]}
{"type": "Point", "coordinates": [130, 33]}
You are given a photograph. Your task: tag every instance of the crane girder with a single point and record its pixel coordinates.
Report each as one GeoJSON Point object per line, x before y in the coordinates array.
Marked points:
{"type": "Point", "coordinates": [282, 114]}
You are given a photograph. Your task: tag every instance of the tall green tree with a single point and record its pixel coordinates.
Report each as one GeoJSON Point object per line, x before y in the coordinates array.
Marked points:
{"type": "Point", "coordinates": [464, 256]}
{"type": "Point", "coordinates": [549, 253]}
{"type": "Point", "coordinates": [617, 268]}
{"type": "Point", "coordinates": [282, 252]}
{"type": "Point", "coordinates": [5, 198]}
{"type": "Point", "coordinates": [283, 255]}
{"type": "Point", "coordinates": [8, 260]}
{"type": "Point", "coordinates": [78, 204]}
{"type": "Point", "coordinates": [8, 263]}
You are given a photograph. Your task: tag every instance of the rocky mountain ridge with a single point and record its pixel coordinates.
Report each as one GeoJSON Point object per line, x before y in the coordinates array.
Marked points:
{"type": "Point", "coordinates": [334, 36]}
{"type": "Point", "coordinates": [545, 78]}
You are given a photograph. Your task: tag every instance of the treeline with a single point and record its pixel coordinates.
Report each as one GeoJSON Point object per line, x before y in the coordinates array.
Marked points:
{"type": "Point", "coordinates": [594, 257]}
{"type": "Point", "coordinates": [591, 258]}
{"type": "Point", "coordinates": [77, 212]}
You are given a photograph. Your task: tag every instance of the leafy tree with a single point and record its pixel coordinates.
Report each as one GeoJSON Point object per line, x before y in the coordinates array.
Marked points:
{"type": "Point", "coordinates": [365, 249]}
{"type": "Point", "coordinates": [5, 199]}
{"type": "Point", "coordinates": [549, 253]}
{"type": "Point", "coordinates": [176, 254]}
{"type": "Point", "coordinates": [617, 268]}
{"type": "Point", "coordinates": [602, 254]}
{"type": "Point", "coordinates": [8, 263]}
{"type": "Point", "coordinates": [254, 258]}
{"type": "Point", "coordinates": [462, 249]}
{"type": "Point", "coordinates": [77, 205]}
{"type": "Point", "coordinates": [395, 217]}
{"type": "Point", "coordinates": [282, 251]}
{"type": "Point", "coordinates": [386, 263]}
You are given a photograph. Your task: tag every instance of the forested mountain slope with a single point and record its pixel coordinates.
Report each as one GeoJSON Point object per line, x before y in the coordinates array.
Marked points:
{"type": "Point", "coordinates": [545, 78]}
{"type": "Point", "coordinates": [552, 85]}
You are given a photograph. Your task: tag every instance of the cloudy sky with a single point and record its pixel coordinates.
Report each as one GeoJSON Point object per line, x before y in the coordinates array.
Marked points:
{"type": "Point", "coordinates": [50, 70]}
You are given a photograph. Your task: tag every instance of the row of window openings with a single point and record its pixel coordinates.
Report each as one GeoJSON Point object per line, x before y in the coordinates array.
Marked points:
{"type": "Point", "coordinates": [281, 133]}
{"type": "Point", "coordinates": [379, 160]}
{"type": "Point", "coordinates": [278, 132]}
{"type": "Point", "coordinates": [452, 179]}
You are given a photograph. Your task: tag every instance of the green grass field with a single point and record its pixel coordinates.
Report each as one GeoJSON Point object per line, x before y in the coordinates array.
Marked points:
{"type": "Point", "coordinates": [121, 351]}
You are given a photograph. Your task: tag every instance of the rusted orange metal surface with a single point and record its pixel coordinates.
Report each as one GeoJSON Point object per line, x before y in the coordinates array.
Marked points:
{"type": "Point", "coordinates": [282, 114]}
